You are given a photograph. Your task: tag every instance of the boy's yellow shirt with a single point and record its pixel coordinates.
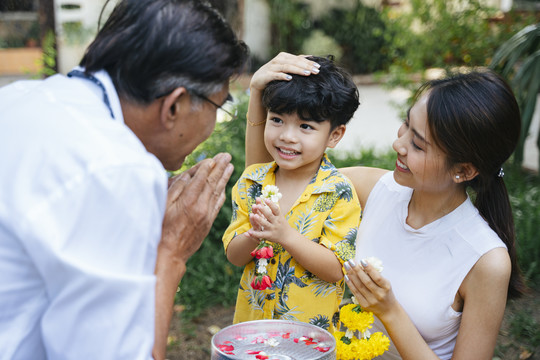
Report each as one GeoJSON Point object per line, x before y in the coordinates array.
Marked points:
{"type": "Point", "coordinates": [327, 212]}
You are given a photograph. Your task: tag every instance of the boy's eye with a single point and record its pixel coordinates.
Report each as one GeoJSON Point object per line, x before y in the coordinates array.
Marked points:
{"type": "Point", "coordinates": [306, 126]}
{"type": "Point", "coordinates": [276, 120]}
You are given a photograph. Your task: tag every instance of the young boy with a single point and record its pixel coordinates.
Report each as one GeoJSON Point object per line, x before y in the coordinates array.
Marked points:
{"type": "Point", "coordinates": [312, 230]}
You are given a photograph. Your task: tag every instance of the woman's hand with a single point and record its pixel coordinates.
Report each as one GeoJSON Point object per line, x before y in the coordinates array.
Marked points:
{"type": "Point", "coordinates": [372, 291]}
{"type": "Point", "coordinates": [280, 68]}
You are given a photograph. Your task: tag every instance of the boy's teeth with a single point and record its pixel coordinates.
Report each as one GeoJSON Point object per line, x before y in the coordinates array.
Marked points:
{"type": "Point", "coordinates": [288, 152]}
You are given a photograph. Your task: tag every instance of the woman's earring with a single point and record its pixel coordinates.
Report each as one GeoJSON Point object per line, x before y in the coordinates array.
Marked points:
{"type": "Point", "coordinates": [457, 176]}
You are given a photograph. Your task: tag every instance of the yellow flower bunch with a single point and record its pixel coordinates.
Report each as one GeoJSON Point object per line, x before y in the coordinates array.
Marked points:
{"type": "Point", "coordinates": [355, 319]}
{"type": "Point", "coordinates": [368, 346]}
{"type": "Point", "coordinates": [361, 349]}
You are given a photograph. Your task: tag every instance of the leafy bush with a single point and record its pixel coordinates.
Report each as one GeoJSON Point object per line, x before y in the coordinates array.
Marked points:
{"type": "Point", "coordinates": [291, 25]}
{"type": "Point", "coordinates": [440, 33]}
{"type": "Point", "coordinates": [362, 34]}
{"type": "Point", "coordinates": [518, 59]}
{"type": "Point", "coordinates": [446, 34]}
{"type": "Point", "coordinates": [524, 190]}
{"type": "Point", "coordinates": [322, 45]}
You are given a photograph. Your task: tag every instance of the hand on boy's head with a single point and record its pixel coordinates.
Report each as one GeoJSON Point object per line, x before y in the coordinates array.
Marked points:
{"type": "Point", "coordinates": [280, 68]}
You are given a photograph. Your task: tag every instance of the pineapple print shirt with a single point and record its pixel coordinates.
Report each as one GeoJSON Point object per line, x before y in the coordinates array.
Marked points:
{"type": "Point", "coordinates": [327, 212]}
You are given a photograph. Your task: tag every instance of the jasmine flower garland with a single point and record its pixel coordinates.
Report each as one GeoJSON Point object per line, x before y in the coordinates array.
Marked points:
{"type": "Point", "coordinates": [356, 320]}
{"type": "Point", "coordinates": [264, 250]}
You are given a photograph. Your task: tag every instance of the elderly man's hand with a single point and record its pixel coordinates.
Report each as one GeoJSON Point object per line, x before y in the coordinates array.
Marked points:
{"type": "Point", "coordinates": [193, 202]}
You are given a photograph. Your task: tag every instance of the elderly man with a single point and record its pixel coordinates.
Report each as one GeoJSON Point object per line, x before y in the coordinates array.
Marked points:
{"type": "Point", "coordinates": [93, 239]}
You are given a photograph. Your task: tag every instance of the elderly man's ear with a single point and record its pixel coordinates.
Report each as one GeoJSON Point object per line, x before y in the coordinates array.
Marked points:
{"type": "Point", "coordinates": [172, 105]}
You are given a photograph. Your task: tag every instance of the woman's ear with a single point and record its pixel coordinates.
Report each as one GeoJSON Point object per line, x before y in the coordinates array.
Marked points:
{"type": "Point", "coordinates": [335, 136]}
{"type": "Point", "coordinates": [465, 172]}
{"type": "Point", "coordinates": [170, 108]}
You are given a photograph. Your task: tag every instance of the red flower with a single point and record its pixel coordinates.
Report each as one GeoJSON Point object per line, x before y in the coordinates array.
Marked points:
{"type": "Point", "coordinates": [267, 252]}
{"type": "Point", "coordinates": [261, 282]}
{"type": "Point", "coordinates": [263, 251]}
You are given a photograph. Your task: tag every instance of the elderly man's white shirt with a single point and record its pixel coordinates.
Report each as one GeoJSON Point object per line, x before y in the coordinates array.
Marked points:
{"type": "Point", "coordinates": [81, 208]}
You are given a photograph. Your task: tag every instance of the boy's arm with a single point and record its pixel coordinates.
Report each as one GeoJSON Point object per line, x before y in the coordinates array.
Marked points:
{"type": "Point", "coordinates": [318, 258]}
{"type": "Point", "coordinates": [240, 248]}
{"type": "Point", "coordinates": [278, 68]}
{"type": "Point", "coordinates": [237, 242]}
{"type": "Point", "coordinates": [314, 257]}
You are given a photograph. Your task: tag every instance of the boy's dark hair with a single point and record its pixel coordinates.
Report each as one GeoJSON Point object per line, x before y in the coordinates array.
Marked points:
{"type": "Point", "coordinates": [330, 95]}
{"type": "Point", "coordinates": [150, 47]}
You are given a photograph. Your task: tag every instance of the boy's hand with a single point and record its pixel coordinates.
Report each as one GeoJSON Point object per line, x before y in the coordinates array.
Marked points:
{"type": "Point", "coordinates": [267, 222]}
{"type": "Point", "coordinates": [280, 68]}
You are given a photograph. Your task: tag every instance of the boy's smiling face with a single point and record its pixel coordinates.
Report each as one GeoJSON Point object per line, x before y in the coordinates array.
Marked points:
{"type": "Point", "coordinates": [297, 144]}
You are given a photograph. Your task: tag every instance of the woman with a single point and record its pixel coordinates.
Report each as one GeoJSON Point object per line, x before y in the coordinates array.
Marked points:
{"type": "Point", "coordinates": [448, 264]}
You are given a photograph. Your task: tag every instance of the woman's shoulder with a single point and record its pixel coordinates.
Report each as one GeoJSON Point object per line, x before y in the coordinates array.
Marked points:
{"type": "Point", "coordinates": [363, 179]}
{"type": "Point", "coordinates": [492, 269]}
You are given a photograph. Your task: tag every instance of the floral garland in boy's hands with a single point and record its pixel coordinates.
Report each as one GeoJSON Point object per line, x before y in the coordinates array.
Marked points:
{"type": "Point", "coordinates": [264, 250]}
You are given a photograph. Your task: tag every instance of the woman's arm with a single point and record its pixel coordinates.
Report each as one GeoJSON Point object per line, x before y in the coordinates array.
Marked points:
{"type": "Point", "coordinates": [278, 68]}
{"type": "Point", "coordinates": [483, 291]}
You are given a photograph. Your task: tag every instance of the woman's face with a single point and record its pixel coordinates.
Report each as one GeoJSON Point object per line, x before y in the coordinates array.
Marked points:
{"type": "Point", "coordinates": [420, 164]}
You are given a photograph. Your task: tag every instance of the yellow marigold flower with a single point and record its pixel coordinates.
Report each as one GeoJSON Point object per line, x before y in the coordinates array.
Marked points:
{"type": "Point", "coordinates": [355, 319]}
{"type": "Point", "coordinates": [344, 350]}
{"type": "Point", "coordinates": [349, 347]}
{"type": "Point", "coordinates": [379, 343]}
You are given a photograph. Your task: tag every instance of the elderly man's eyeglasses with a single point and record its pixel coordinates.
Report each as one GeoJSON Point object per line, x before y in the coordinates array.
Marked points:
{"type": "Point", "coordinates": [199, 95]}
{"type": "Point", "coordinates": [220, 107]}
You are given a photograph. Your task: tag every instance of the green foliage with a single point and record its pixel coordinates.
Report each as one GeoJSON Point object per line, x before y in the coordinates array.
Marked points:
{"type": "Point", "coordinates": [440, 33]}
{"type": "Point", "coordinates": [48, 58]}
{"type": "Point", "coordinates": [290, 25]}
{"type": "Point", "coordinates": [75, 33]}
{"type": "Point", "coordinates": [524, 191]}
{"type": "Point", "coordinates": [363, 157]}
{"type": "Point", "coordinates": [20, 33]}
{"type": "Point", "coordinates": [362, 34]}
{"type": "Point", "coordinates": [321, 44]}
{"type": "Point", "coordinates": [518, 59]}
{"type": "Point", "coordinates": [525, 328]}
{"type": "Point", "coordinates": [447, 35]}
